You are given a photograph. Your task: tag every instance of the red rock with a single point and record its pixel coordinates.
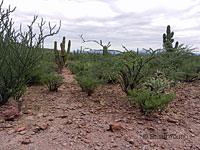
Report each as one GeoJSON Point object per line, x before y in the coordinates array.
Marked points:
{"type": "Point", "coordinates": [86, 141]}
{"type": "Point", "coordinates": [129, 117]}
{"type": "Point", "coordinates": [21, 129]}
{"type": "Point", "coordinates": [11, 114]}
{"type": "Point", "coordinates": [43, 126]}
{"type": "Point", "coordinates": [115, 127]}
{"type": "Point", "coordinates": [83, 124]}
{"type": "Point", "coordinates": [172, 120]}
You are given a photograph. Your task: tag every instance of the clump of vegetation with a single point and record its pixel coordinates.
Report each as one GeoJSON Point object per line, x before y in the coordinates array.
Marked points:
{"type": "Point", "coordinates": [136, 73]}
{"type": "Point", "coordinates": [52, 82]}
{"type": "Point", "coordinates": [88, 84]}
{"type": "Point", "coordinates": [151, 96]}
{"type": "Point", "coordinates": [20, 54]}
{"type": "Point", "coordinates": [148, 101]}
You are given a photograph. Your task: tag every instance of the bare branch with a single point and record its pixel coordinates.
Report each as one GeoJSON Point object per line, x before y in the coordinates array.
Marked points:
{"type": "Point", "coordinates": [125, 48]}
{"type": "Point", "coordinates": [84, 41]}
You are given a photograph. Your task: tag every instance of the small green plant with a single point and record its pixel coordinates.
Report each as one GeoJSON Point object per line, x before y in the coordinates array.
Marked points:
{"type": "Point", "coordinates": [88, 84]}
{"type": "Point", "coordinates": [151, 96]}
{"type": "Point", "coordinates": [52, 82]}
{"type": "Point", "coordinates": [148, 101]}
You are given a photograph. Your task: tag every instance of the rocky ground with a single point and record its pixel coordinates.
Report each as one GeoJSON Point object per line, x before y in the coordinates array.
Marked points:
{"type": "Point", "coordinates": [70, 120]}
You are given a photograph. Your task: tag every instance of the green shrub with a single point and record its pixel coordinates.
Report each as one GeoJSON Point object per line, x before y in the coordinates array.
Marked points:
{"type": "Point", "coordinates": [180, 64]}
{"type": "Point", "coordinates": [88, 84]}
{"type": "Point", "coordinates": [20, 53]}
{"type": "Point", "coordinates": [148, 101]}
{"type": "Point", "coordinates": [151, 96]}
{"type": "Point", "coordinates": [189, 70]}
{"type": "Point", "coordinates": [133, 75]}
{"type": "Point", "coordinates": [52, 82]}
{"type": "Point", "coordinates": [44, 67]}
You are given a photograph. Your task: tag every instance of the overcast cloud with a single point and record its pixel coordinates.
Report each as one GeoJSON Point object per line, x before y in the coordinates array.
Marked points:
{"type": "Point", "coordinates": [133, 23]}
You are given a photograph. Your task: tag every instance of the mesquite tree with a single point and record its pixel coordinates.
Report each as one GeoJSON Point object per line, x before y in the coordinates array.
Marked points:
{"type": "Point", "coordinates": [20, 53]}
{"type": "Point", "coordinates": [105, 47]}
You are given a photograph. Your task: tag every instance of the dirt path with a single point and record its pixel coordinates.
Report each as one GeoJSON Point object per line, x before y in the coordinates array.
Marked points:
{"type": "Point", "coordinates": [70, 120]}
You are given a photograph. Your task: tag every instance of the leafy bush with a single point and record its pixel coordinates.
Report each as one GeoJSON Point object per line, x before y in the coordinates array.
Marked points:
{"type": "Point", "coordinates": [151, 97]}
{"type": "Point", "coordinates": [44, 67]}
{"type": "Point", "coordinates": [20, 53]}
{"type": "Point", "coordinates": [148, 101]}
{"type": "Point", "coordinates": [88, 84]}
{"type": "Point", "coordinates": [52, 82]}
{"type": "Point", "coordinates": [179, 65]}
{"type": "Point", "coordinates": [189, 70]}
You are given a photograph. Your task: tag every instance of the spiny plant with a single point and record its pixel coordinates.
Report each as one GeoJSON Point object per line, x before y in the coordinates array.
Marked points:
{"type": "Point", "coordinates": [62, 57]}
{"type": "Point", "coordinates": [168, 40]}
{"type": "Point", "coordinates": [135, 73]}
{"type": "Point", "coordinates": [20, 53]}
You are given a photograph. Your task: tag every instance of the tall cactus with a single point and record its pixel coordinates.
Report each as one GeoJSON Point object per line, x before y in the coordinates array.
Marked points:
{"type": "Point", "coordinates": [61, 57]}
{"type": "Point", "coordinates": [168, 40]}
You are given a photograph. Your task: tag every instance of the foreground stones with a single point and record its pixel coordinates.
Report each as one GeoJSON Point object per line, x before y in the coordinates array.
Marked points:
{"type": "Point", "coordinates": [11, 114]}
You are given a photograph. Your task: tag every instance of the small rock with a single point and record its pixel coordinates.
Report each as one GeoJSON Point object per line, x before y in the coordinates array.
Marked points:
{"type": "Point", "coordinates": [43, 126]}
{"type": "Point", "coordinates": [117, 120]}
{"type": "Point", "coordinates": [80, 105]}
{"type": "Point", "coordinates": [131, 141]}
{"type": "Point", "coordinates": [115, 127]}
{"type": "Point", "coordinates": [97, 148]}
{"type": "Point", "coordinates": [21, 129]}
{"type": "Point", "coordinates": [140, 122]}
{"type": "Point", "coordinates": [26, 141]}
{"type": "Point", "coordinates": [11, 132]}
{"type": "Point", "coordinates": [31, 118]}
{"type": "Point", "coordinates": [11, 114]}
{"type": "Point", "coordinates": [129, 117]}
{"type": "Point", "coordinates": [63, 116]}
{"type": "Point", "coordinates": [69, 122]}
{"type": "Point", "coordinates": [22, 132]}
{"type": "Point", "coordinates": [64, 144]}
{"type": "Point", "coordinates": [83, 124]}
{"type": "Point", "coordinates": [40, 115]}
{"type": "Point", "coordinates": [51, 119]}
{"type": "Point", "coordinates": [86, 141]}
{"type": "Point", "coordinates": [172, 120]}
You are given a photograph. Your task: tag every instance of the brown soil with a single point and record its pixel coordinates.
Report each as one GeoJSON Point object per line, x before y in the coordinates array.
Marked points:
{"type": "Point", "coordinates": [70, 120]}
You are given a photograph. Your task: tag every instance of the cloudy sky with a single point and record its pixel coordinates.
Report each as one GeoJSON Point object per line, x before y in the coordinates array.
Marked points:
{"type": "Point", "coordinates": [133, 23]}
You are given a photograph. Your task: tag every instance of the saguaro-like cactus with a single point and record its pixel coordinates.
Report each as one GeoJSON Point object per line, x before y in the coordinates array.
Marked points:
{"type": "Point", "coordinates": [168, 40]}
{"type": "Point", "coordinates": [61, 57]}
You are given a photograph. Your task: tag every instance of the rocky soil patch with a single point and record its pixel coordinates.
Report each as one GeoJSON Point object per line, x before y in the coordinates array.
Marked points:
{"type": "Point", "coordinates": [70, 120]}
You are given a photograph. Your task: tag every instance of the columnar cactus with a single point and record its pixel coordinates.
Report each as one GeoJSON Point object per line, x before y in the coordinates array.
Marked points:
{"type": "Point", "coordinates": [168, 40]}
{"type": "Point", "coordinates": [62, 57]}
